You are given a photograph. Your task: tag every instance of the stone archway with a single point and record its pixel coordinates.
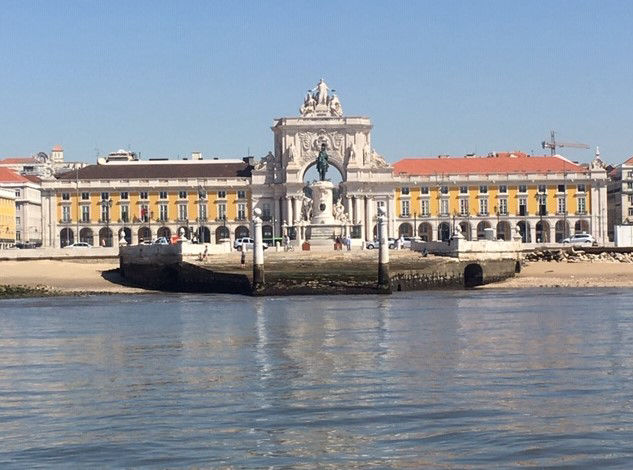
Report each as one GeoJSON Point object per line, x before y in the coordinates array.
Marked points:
{"type": "Point", "coordinates": [444, 231]}
{"type": "Point", "coordinates": [204, 234]}
{"type": "Point", "coordinates": [144, 234]}
{"type": "Point", "coordinates": [481, 229]}
{"type": "Point", "coordinates": [309, 170]}
{"type": "Point", "coordinates": [105, 237]}
{"type": "Point", "coordinates": [241, 232]}
{"type": "Point", "coordinates": [561, 230]}
{"type": "Point", "coordinates": [222, 233]}
{"type": "Point", "coordinates": [66, 237]}
{"type": "Point", "coordinates": [581, 226]}
{"type": "Point", "coordinates": [86, 235]}
{"type": "Point", "coordinates": [542, 232]}
{"type": "Point", "coordinates": [524, 230]}
{"type": "Point", "coordinates": [164, 232]}
{"type": "Point", "coordinates": [504, 231]}
{"type": "Point", "coordinates": [466, 230]}
{"type": "Point", "coordinates": [473, 275]}
{"type": "Point", "coordinates": [405, 230]}
{"type": "Point", "coordinates": [425, 231]}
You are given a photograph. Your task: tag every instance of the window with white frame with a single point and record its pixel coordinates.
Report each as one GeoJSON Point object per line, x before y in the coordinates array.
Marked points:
{"type": "Point", "coordinates": [241, 211]}
{"type": "Point", "coordinates": [65, 196]}
{"type": "Point", "coordinates": [483, 206]}
{"type": "Point", "coordinates": [542, 204]}
{"type": "Point", "coordinates": [85, 213]}
{"type": "Point", "coordinates": [630, 197]}
{"type": "Point", "coordinates": [163, 212]}
{"type": "Point", "coordinates": [629, 174]}
{"type": "Point", "coordinates": [162, 194]}
{"type": "Point", "coordinates": [144, 213]}
{"type": "Point", "coordinates": [463, 190]}
{"type": "Point", "coordinates": [424, 208]}
{"type": "Point", "coordinates": [562, 205]}
{"type": "Point", "coordinates": [581, 188]}
{"type": "Point", "coordinates": [266, 211]}
{"type": "Point", "coordinates": [503, 206]}
{"type": "Point", "coordinates": [582, 205]}
{"type": "Point", "coordinates": [125, 213]}
{"type": "Point", "coordinates": [483, 189]}
{"type": "Point", "coordinates": [202, 212]}
{"type": "Point", "coordinates": [523, 188]}
{"type": "Point", "coordinates": [404, 191]}
{"type": "Point", "coordinates": [182, 194]}
{"type": "Point", "coordinates": [221, 194]}
{"type": "Point", "coordinates": [241, 194]}
{"type": "Point", "coordinates": [105, 212]}
{"type": "Point", "coordinates": [221, 211]}
{"type": "Point", "coordinates": [630, 210]}
{"type": "Point", "coordinates": [444, 210]}
{"type": "Point", "coordinates": [444, 189]}
{"type": "Point", "coordinates": [523, 206]}
{"type": "Point", "coordinates": [85, 196]}
{"type": "Point", "coordinates": [182, 212]}
{"type": "Point", "coordinates": [542, 189]}
{"type": "Point", "coordinates": [105, 196]}
{"type": "Point", "coordinates": [463, 206]}
{"type": "Point", "coordinates": [561, 188]}
{"type": "Point", "coordinates": [424, 190]}
{"type": "Point", "coordinates": [503, 189]}
{"type": "Point", "coordinates": [629, 185]}
{"type": "Point", "coordinates": [405, 208]}
{"type": "Point", "coordinates": [125, 196]}
{"type": "Point", "coordinates": [66, 214]}
{"type": "Point", "coordinates": [143, 195]}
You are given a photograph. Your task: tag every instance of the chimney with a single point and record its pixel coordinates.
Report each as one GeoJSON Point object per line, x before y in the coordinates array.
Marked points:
{"type": "Point", "coordinates": [196, 155]}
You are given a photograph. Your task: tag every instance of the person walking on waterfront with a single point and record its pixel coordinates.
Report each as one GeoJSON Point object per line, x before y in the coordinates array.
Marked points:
{"type": "Point", "coordinates": [348, 242]}
{"type": "Point", "coordinates": [286, 242]}
{"type": "Point", "coordinates": [243, 259]}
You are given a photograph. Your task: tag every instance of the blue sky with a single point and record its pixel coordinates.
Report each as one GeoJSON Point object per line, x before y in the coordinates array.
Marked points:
{"type": "Point", "coordinates": [168, 78]}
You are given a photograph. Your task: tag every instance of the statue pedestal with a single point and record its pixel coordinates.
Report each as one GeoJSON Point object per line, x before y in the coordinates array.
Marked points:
{"type": "Point", "coordinates": [322, 203]}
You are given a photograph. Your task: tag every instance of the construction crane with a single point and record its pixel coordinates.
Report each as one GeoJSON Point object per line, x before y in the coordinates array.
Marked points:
{"type": "Point", "coordinates": [553, 144]}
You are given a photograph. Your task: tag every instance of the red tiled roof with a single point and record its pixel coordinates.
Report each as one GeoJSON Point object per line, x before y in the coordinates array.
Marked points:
{"type": "Point", "coordinates": [10, 176]}
{"type": "Point", "coordinates": [500, 163]}
{"type": "Point", "coordinates": [33, 178]}
{"type": "Point", "coordinates": [17, 160]}
{"type": "Point", "coordinates": [57, 148]}
{"type": "Point", "coordinates": [629, 161]}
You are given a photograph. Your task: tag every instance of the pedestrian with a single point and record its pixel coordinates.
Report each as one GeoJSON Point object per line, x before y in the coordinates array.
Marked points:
{"type": "Point", "coordinates": [286, 242]}
{"type": "Point", "coordinates": [348, 243]}
{"type": "Point", "coordinates": [243, 259]}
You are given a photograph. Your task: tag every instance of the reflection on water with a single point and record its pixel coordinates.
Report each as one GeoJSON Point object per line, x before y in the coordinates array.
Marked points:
{"type": "Point", "coordinates": [445, 379]}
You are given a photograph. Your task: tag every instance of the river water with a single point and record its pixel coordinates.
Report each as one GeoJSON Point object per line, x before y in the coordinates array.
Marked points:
{"type": "Point", "coordinates": [455, 379]}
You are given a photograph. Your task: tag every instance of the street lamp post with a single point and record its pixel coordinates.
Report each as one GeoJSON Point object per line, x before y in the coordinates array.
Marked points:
{"type": "Point", "coordinates": [415, 223]}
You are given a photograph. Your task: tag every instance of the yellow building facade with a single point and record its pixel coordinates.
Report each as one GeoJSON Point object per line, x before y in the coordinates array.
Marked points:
{"type": "Point", "coordinates": [102, 205]}
{"type": "Point", "coordinates": [7, 218]}
{"type": "Point", "coordinates": [543, 199]}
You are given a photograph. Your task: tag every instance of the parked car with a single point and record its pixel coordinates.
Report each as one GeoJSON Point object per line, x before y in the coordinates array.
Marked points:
{"type": "Point", "coordinates": [79, 245]}
{"type": "Point", "coordinates": [580, 239]}
{"type": "Point", "coordinates": [161, 241]}
{"type": "Point", "coordinates": [373, 244]}
{"type": "Point", "coordinates": [246, 243]}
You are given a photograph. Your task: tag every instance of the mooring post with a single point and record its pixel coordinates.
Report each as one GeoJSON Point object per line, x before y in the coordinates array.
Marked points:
{"type": "Point", "coordinates": [258, 251]}
{"type": "Point", "coordinates": [384, 281]}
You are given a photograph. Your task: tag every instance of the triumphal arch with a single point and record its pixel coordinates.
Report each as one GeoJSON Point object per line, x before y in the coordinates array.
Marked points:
{"type": "Point", "coordinates": [280, 188]}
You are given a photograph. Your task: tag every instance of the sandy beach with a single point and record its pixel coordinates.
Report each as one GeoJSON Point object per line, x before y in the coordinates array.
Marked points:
{"type": "Point", "coordinates": [580, 274]}
{"type": "Point", "coordinates": [65, 276]}
{"type": "Point", "coordinates": [97, 276]}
